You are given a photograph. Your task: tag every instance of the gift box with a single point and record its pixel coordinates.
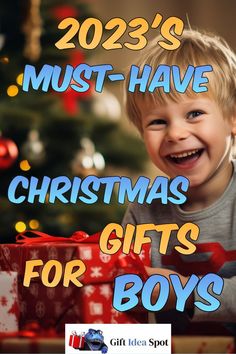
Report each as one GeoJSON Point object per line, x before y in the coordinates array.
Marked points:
{"type": "Point", "coordinates": [100, 267]}
{"type": "Point", "coordinates": [77, 341]}
{"type": "Point", "coordinates": [50, 307]}
{"type": "Point", "coordinates": [96, 301]}
{"type": "Point", "coordinates": [59, 305]}
{"type": "Point", "coordinates": [9, 307]}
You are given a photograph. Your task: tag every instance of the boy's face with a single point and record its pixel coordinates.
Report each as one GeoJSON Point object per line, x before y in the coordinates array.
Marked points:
{"type": "Point", "coordinates": [189, 138]}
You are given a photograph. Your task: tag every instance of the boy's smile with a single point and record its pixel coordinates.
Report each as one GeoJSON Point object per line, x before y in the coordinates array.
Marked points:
{"type": "Point", "coordinates": [190, 138]}
{"type": "Point", "coordinates": [185, 159]}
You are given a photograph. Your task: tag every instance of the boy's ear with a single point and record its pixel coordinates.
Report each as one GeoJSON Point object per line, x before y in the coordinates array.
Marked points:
{"type": "Point", "coordinates": [233, 120]}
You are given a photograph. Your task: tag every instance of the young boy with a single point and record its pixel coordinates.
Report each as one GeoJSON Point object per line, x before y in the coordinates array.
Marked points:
{"type": "Point", "coordinates": [192, 134]}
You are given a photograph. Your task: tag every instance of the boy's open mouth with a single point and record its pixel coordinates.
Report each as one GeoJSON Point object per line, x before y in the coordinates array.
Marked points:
{"type": "Point", "coordinates": [185, 157]}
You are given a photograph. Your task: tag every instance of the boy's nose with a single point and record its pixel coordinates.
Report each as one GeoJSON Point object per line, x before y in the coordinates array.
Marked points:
{"type": "Point", "coordinates": [176, 132]}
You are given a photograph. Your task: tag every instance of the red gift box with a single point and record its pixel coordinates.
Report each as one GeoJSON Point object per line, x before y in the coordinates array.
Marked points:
{"type": "Point", "coordinates": [77, 341]}
{"type": "Point", "coordinates": [96, 301]}
{"type": "Point", "coordinates": [60, 305]}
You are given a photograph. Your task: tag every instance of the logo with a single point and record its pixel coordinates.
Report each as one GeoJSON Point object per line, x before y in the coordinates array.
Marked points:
{"type": "Point", "coordinates": [92, 340]}
{"type": "Point", "coordinates": [118, 338]}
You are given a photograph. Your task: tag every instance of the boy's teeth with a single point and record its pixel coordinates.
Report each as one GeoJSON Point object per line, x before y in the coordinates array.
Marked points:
{"type": "Point", "coordinates": [184, 154]}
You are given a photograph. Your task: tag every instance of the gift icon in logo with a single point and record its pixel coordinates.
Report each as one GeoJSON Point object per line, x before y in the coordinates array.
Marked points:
{"type": "Point", "coordinates": [92, 340]}
{"type": "Point", "coordinates": [77, 340]}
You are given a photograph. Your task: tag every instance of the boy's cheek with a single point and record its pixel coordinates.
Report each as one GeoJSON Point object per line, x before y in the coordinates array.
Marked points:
{"type": "Point", "coordinates": [152, 145]}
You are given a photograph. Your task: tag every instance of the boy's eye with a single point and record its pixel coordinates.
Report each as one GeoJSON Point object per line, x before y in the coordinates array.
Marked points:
{"type": "Point", "coordinates": [157, 122]}
{"type": "Point", "coordinates": [194, 114]}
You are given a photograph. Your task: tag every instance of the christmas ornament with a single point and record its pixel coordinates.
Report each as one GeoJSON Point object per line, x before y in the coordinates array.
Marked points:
{"type": "Point", "coordinates": [32, 29]}
{"type": "Point", "coordinates": [33, 149]}
{"type": "Point", "coordinates": [4, 60]}
{"type": "Point", "coordinates": [106, 105]}
{"type": "Point", "coordinates": [70, 98]}
{"type": "Point", "coordinates": [64, 11]}
{"type": "Point", "coordinates": [8, 153]}
{"type": "Point", "coordinates": [87, 161]}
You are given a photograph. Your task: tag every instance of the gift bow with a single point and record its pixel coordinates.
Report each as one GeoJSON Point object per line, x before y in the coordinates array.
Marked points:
{"type": "Point", "coordinates": [41, 237]}
{"type": "Point", "coordinates": [133, 264]}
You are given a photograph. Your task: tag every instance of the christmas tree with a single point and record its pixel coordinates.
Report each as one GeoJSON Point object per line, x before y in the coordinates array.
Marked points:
{"type": "Point", "coordinates": [55, 134]}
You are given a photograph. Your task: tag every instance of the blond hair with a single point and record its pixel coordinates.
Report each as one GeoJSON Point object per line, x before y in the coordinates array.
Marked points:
{"type": "Point", "coordinates": [197, 48]}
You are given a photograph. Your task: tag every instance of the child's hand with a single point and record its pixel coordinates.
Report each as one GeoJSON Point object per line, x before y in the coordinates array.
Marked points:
{"type": "Point", "coordinates": [172, 297]}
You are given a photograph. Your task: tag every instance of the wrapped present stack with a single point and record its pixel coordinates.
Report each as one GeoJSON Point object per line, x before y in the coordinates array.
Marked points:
{"type": "Point", "coordinates": [52, 307]}
{"type": "Point", "coordinates": [32, 318]}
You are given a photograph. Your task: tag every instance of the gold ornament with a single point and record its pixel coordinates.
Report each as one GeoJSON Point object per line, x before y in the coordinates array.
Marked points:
{"type": "Point", "coordinates": [32, 29]}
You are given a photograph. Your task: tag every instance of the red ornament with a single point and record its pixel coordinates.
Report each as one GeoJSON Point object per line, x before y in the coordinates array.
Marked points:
{"type": "Point", "coordinates": [8, 153]}
{"type": "Point", "coordinates": [76, 58]}
{"type": "Point", "coordinates": [61, 12]}
{"type": "Point", "coordinates": [70, 97]}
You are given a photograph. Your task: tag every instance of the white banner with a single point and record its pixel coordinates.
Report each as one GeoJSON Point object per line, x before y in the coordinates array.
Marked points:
{"type": "Point", "coordinates": [118, 338]}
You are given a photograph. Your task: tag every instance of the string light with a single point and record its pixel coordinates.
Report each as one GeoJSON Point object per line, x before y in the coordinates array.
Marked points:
{"type": "Point", "coordinates": [20, 226]}
{"type": "Point", "coordinates": [24, 165]}
{"type": "Point", "coordinates": [34, 224]}
{"type": "Point", "coordinates": [12, 90]}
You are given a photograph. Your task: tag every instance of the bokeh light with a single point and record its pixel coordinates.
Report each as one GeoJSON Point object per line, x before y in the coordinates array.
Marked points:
{"type": "Point", "coordinates": [34, 224]}
{"type": "Point", "coordinates": [12, 90]}
{"type": "Point", "coordinates": [19, 79]}
{"type": "Point", "coordinates": [24, 165]}
{"type": "Point", "coordinates": [20, 226]}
